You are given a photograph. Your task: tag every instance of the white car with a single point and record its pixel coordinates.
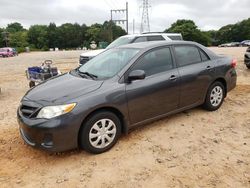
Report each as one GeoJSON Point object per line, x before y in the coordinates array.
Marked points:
{"type": "Point", "coordinates": [126, 39]}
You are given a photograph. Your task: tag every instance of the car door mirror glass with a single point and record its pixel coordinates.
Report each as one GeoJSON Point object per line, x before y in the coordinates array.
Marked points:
{"type": "Point", "coordinates": [136, 75]}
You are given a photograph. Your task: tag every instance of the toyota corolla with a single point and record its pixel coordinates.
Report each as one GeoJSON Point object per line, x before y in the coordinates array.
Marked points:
{"type": "Point", "coordinates": [120, 89]}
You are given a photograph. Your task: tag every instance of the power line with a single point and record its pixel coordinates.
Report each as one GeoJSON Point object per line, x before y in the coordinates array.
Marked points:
{"type": "Point", "coordinates": [115, 4]}
{"type": "Point", "coordinates": [109, 5]}
{"type": "Point", "coordinates": [145, 27]}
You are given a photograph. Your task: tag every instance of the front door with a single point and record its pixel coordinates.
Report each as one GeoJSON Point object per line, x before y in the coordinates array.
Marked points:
{"type": "Point", "coordinates": [158, 93]}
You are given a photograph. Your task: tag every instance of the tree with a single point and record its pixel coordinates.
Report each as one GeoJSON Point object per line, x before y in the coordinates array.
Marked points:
{"type": "Point", "coordinates": [224, 34]}
{"type": "Point", "coordinates": [38, 36]}
{"type": "Point", "coordinates": [53, 36]}
{"type": "Point", "coordinates": [93, 33]}
{"type": "Point", "coordinates": [189, 31]}
{"type": "Point", "coordinates": [107, 32]}
{"type": "Point", "coordinates": [213, 35]}
{"type": "Point", "coordinates": [19, 39]}
{"type": "Point", "coordinates": [14, 27]}
{"type": "Point", "coordinates": [1, 37]}
{"type": "Point", "coordinates": [235, 32]}
{"type": "Point", "coordinates": [70, 35]}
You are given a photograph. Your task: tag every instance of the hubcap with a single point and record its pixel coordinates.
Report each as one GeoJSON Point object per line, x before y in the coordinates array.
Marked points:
{"type": "Point", "coordinates": [102, 133]}
{"type": "Point", "coordinates": [216, 96]}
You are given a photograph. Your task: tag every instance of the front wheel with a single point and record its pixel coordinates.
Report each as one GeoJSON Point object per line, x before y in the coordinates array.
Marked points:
{"type": "Point", "coordinates": [215, 96]}
{"type": "Point", "coordinates": [100, 132]}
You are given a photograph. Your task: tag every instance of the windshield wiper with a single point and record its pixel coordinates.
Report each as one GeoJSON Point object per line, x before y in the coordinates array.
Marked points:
{"type": "Point", "coordinates": [88, 74]}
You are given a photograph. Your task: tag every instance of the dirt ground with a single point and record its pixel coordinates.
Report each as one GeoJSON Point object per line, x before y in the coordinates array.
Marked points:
{"type": "Point", "coordinates": [195, 148]}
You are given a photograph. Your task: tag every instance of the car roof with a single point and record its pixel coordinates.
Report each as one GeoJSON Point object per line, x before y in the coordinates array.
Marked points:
{"type": "Point", "coordinates": [151, 34]}
{"type": "Point", "coordinates": [153, 44]}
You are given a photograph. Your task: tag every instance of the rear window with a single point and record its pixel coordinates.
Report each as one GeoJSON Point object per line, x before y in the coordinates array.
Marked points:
{"type": "Point", "coordinates": [175, 37]}
{"type": "Point", "coordinates": [155, 38]}
{"type": "Point", "coordinates": [187, 55]}
{"type": "Point", "coordinates": [204, 56]}
{"type": "Point", "coordinates": [140, 39]}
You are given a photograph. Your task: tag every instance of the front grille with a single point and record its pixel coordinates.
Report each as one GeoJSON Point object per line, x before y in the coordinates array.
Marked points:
{"type": "Point", "coordinates": [28, 111]}
{"type": "Point", "coordinates": [84, 59]}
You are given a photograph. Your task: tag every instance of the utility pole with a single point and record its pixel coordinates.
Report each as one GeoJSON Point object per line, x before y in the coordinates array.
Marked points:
{"type": "Point", "coordinates": [127, 17]}
{"type": "Point", "coordinates": [145, 17]}
{"type": "Point", "coordinates": [115, 11]}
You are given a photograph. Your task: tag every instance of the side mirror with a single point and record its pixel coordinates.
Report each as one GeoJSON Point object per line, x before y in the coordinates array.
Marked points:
{"type": "Point", "coordinates": [136, 75]}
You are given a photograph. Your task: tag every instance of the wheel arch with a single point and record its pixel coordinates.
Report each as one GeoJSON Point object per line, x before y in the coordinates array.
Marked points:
{"type": "Point", "coordinates": [114, 110]}
{"type": "Point", "coordinates": [223, 81]}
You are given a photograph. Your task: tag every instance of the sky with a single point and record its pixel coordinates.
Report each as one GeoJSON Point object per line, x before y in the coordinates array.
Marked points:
{"type": "Point", "coordinates": [207, 15]}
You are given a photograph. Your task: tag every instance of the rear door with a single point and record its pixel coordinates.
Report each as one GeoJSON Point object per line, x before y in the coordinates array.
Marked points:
{"type": "Point", "coordinates": [158, 93]}
{"type": "Point", "coordinates": [195, 70]}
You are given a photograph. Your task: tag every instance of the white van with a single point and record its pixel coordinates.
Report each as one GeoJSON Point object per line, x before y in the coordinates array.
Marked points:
{"type": "Point", "coordinates": [126, 39]}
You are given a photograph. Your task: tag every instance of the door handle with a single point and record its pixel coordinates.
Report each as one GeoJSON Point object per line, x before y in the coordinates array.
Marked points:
{"type": "Point", "coordinates": [209, 68]}
{"type": "Point", "coordinates": [173, 77]}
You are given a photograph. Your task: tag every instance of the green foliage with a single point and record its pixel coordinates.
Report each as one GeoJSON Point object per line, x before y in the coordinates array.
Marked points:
{"type": "Point", "coordinates": [189, 31]}
{"type": "Point", "coordinates": [19, 39]}
{"type": "Point", "coordinates": [38, 36]}
{"type": "Point", "coordinates": [1, 37]}
{"type": "Point", "coordinates": [229, 33]}
{"type": "Point", "coordinates": [14, 27]}
{"type": "Point", "coordinates": [107, 32]}
{"type": "Point", "coordinates": [235, 33]}
{"type": "Point", "coordinates": [70, 36]}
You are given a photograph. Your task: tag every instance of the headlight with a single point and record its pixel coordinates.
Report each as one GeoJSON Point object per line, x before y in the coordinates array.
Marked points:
{"type": "Point", "coordinates": [49, 112]}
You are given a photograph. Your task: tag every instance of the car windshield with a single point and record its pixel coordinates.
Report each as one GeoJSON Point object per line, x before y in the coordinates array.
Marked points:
{"type": "Point", "coordinates": [108, 63]}
{"type": "Point", "coordinates": [120, 41]}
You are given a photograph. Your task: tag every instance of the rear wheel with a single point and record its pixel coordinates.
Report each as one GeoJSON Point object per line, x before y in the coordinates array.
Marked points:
{"type": "Point", "coordinates": [100, 132]}
{"type": "Point", "coordinates": [215, 96]}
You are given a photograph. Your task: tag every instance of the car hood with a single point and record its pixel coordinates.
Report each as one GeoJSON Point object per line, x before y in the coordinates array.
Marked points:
{"type": "Point", "coordinates": [62, 89]}
{"type": "Point", "coordinates": [92, 53]}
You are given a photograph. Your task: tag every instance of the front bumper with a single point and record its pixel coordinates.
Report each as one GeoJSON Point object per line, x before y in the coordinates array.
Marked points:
{"type": "Point", "coordinates": [55, 135]}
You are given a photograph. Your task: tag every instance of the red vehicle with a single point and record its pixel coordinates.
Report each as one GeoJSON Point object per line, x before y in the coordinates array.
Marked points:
{"type": "Point", "coordinates": [7, 52]}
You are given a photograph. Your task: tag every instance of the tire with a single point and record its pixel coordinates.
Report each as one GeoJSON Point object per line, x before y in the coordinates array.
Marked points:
{"type": "Point", "coordinates": [215, 96]}
{"type": "Point", "coordinates": [248, 66]}
{"type": "Point", "coordinates": [94, 126]}
{"type": "Point", "coordinates": [32, 84]}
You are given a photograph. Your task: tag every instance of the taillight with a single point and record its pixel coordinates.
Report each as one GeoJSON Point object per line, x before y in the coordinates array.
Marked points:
{"type": "Point", "coordinates": [233, 63]}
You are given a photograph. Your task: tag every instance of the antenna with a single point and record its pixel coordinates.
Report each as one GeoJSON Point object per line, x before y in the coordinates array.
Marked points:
{"type": "Point", "coordinates": [145, 17]}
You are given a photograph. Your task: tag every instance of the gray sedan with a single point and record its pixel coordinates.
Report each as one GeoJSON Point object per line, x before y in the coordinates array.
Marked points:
{"type": "Point", "coordinates": [120, 89]}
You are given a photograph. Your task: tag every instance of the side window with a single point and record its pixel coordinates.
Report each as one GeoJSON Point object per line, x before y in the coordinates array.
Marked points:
{"type": "Point", "coordinates": [156, 61]}
{"type": "Point", "coordinates": [155, 38]}
{"type": "Point", "coordinates": [187, 55]}
{"type": "Point", "coordinates": [140, 39]}
{"type": "Point", "coordinates": [173, 37]}
{"type": "Point", "coordinates": [204, 56]}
